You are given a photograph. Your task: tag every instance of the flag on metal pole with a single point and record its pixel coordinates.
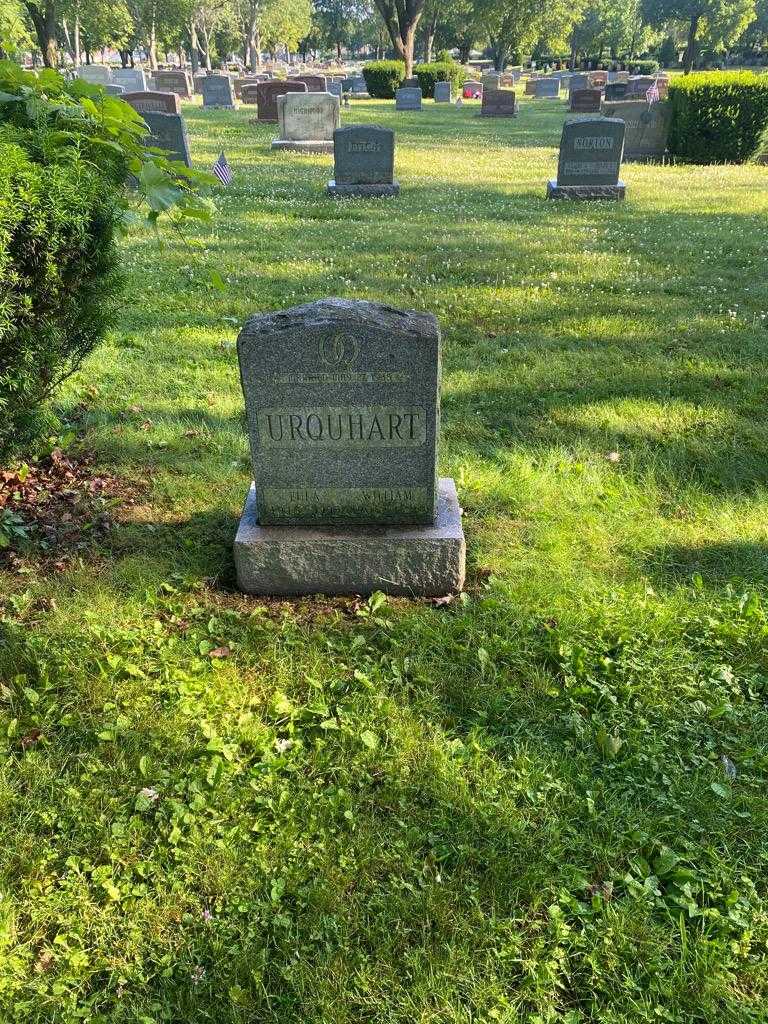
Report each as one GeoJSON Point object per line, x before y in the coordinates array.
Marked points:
{"type": "Point", "coordinates": [222, 170]}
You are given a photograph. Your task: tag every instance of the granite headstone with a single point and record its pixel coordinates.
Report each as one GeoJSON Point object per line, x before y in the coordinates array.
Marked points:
{"type": "Point", "coordinates": [267, 94]}
{"type": "Point", "coordinates": [342, 404]}
{"type": "Point", "coordinates": [174, 81]}
{"type": "Point", "coordinates": [590, 160]}
{"type": "Point", "coordinates": [158, 102]}
{"type": "Point", "coordinates": [131, 79]}
{"type": "Point", "coordinates": [218, 91]}
{"type": "Point", "coordinates": [364, 162]}
{"type": "Point", "coordinates": [498, 103]}
{"type": "Point", "coordinates": [443, 92]}
{"type": "Point", "coordinates": [586, 101]}
{"type": "Point", "coordinates": [408, 98]}
{"type": "Point", "coordinates": [307, 122]}
{"type": "Point", "coordinates": [169, 132]}
{"type": "Point", "coordinates": [647, 127]}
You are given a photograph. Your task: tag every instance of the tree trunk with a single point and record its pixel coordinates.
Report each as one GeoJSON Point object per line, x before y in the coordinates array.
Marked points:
{"type": "Point", "coordinates": [193, 47]}
{"type": "Point", "coordinates": [43, 18]}
{"type": "Point", "coordinates": [207, 46]}
{"type": "Point", "coordinates": [256, 49]}
{"type": "Point", "coordinates": [401, 21]}
{"type": "Point", "coordinates": [153, 43]}
{"type": "Point", "coordinates": [690, 50]}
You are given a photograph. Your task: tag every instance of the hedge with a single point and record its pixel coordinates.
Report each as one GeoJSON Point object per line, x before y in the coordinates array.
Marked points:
{"type": "Point", "coordinates": [718, 116]}
{"type": "Point", "coordinates": [440, 71]}
{"type": "Point", "coordinates": [58, 267]}
{"type": "Point", "coordinates": [383, 77]}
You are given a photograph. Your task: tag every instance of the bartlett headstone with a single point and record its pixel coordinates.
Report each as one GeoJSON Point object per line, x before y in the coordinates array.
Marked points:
{"type": "Point", "coordinates": [307, 122]}
{"type": "Point", "coordinates": [647, 127]}
{"type": "Point", "coordinates": [168, 131]}
{"type": "Point", "coordinates": [218, 91]}
{"type": "Point", "coordinates": [159, 102]}
{"type": "Point", "coordinates": [131, 79]}
{"type": "Point", "coordinates": [590, 160]}
{"type": "Point", "coordinates": [498, 103]}
{"type": "Point", "coordinates": [267, 94]}
{"type": "Point", "coordinates": [586, 101]}
{"type": "Point", "coordinates": [174, 81]}
{"type": "Point", "coordinates": [443, 92]}
{"type": "Point", "coordinates": [342, 403]}
{"type": "Point", "coordinates": [363, 162]}
{"type": "Point", "coordinates": [408, 98]}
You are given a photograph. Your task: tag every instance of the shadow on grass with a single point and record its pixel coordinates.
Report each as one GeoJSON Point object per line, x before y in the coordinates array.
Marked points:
{"type": "Point", "coordinates": [744, 562]}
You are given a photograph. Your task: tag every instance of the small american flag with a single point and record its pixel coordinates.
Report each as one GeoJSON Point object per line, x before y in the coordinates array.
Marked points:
{"type": "Point", "coordinates": [222, 170]}
{"type": "Point", "coordinates": [652, 95]}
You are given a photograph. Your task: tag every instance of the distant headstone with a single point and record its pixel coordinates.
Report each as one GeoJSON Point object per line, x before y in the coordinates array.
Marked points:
{"type": "Point", "coordinates": [174, 81]}
{"type": "Point", "coordinates": [307, 122]}
{"type": "Point", "coordinates": [218, 91]}
{"type": "Point", "coordinates": [363, 162]}
{"type": "Point", "coordinates": [153, 102]}
{"type": "Point", "coordinates": [647, 127]}
{"type": "Point", "coordinates": [114, 90]}
{"type": "Point", "coordinates": [410, 83]}
{"type": "Point", "coordinates": [590, 160]}
{"type": "Point", "coordinates": [472, 90]}
{"type": "Point", "coordinates": [509, 80]}
{"type": "Point", "coordinates": [334, 88]}
{"type": "Point", "coordinates": [342, 404]}
{"type": "Point", "coordinates": [131, 79]}
{"type": "Point", "coordinates": [248, 92]}
{"type": "Point", "coordinates": [169, 132]}
{"type": "Point", "coordinates": [96, 74]}
{"type": "Point", "coordinates": [578, 82]}
{"type": "Point", "coordinates": [408, 99]}
{"type": "Point", "coordinates": [638, 86]}
{"type": "Point", "coordinates": [547, 88]}
{"type": "Point", "coordinates": [490, 80]}
{"type": "Point", "coordinates": [443, 92]}
{"type": "Point", "coordinates": [314, 83]}
{"type": "Point", "coordinates": [359, 86]}
{"type": "Point", "coordinates": [267, 94]}
{"type": "Point", "coordinates": [498, 103]}
{"type": "Point", "coordinates": [615, 91]}
{"type": "Point", "coordinates": [598, 79]}
{"type": "Point", "coordinates": [530, 86]}
{"type": "Point", "coordinates": [586, 101]}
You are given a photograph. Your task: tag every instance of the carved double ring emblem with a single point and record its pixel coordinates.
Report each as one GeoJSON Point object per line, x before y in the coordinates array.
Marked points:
{"type": "Point", "coordinates": [337, 350]}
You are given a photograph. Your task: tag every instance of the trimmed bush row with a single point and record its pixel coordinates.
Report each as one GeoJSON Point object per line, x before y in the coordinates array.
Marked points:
{"type": "Point", "coordinates": [384, 77]}
{"type": "Point", "coordinates": [718, 116]}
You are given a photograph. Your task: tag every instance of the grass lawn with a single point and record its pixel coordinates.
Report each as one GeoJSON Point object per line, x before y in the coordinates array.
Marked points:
{"type": "Point", "coordinates": [543, 802]}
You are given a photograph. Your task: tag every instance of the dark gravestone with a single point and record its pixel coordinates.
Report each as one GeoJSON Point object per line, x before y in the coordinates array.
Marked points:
{"type": "Point", "coordinates": [267, 93]}
{"type": "Point", "coordinates": [615, 91]}
{"type": "Point", "coordinates": [334, 88]}
{"type": "Point", "coordinates": [363, 162]}
{"type": "Point", "coordinates": [647, 127]}
{"type": "Point", "coordinates": [157, 102]}
{"type": "Point", "coordinates": [218, 91]}
{"type": "Point", "coordinates": [586, 101]}
{"type": "Point", "coordinates": [498, 103]}
{"type": "Point", "coordinates": [410, 83]}
{"type": "Point", "coordinates": [168, 132]}
{"type": "Point", "coordinates": [342, 403]}
{"type": "Point", "coordinates": [443, 92]}
{"type": "Point", "coordinates": [314, 83]}
{"type": "Point", "coordinates": [530, 87]}
{"type": "Point", "coordinates": [590, 160]}
{"type": "Point", "coordinates": [547, 88]}
{"type": "Point", "coordinates": [248, 93]}
{"type": "Point", "coordinates": [578, 82]}
{"type": "Point", "coordinates": [174, 81]}
{"type": "Point", "coordinates": [408, 99]}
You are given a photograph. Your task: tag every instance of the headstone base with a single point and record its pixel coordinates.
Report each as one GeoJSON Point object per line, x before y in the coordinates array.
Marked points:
{"type": "Point", "coordinates": [413, 561]}
{"type": "Point", "coordinates": [363, 191]}
{"type": "Point", "coordinates": [503, 114]}
{"type": "Point", "coordinates": [304, 146]}
{"type": "Point", "coordinates": [555, 191]}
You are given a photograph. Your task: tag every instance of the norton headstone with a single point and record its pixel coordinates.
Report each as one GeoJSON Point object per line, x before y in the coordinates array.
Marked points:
{"type": "Point", "coordinates": [590, 160]}
{"type": "Point", "coordinates": [307, 122]}
{"type": "Point", "coordinates": [342, 404]}
{"type": "Point", "coordinates": [363, 162]}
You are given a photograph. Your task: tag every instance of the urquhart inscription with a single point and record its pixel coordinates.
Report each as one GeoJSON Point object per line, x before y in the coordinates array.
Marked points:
{"type": "Point", "coordinates": [343, 414]}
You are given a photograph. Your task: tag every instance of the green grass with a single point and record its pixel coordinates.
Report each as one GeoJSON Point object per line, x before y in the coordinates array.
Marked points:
{"type": "Point", "coordinates": [545, 802]}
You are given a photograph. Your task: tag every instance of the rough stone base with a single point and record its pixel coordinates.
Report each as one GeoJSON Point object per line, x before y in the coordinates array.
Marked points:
{"type": "Point", "coordinates": [555, 191]}
{"type": "Point", "coordinates": [414, 561]}
{"type": "Point", "coordinates": [304, 146]}
{"type": "Point", "coordinates": [380, 191]}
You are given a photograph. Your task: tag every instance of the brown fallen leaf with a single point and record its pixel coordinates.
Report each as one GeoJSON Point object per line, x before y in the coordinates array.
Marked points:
{"type": "Point", "coordinates": [219, 652]}
{"type": "Point", "coordinates": [32, 737]}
